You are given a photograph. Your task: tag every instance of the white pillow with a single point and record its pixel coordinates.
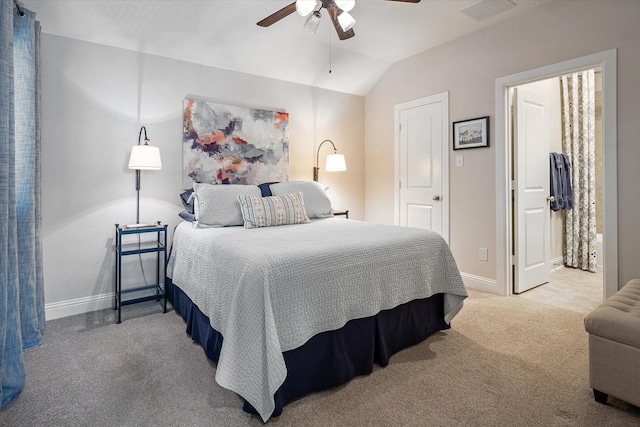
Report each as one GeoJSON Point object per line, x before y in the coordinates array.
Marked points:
{"type": "Point", "coordinates": [216, 205]}
{"type": "Point", "coordinates": [272, 211]}
{"type": "Point", "coordinates": [316, 201]}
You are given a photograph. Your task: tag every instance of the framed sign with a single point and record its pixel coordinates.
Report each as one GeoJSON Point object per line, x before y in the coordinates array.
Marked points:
{"type": "Point", "coordinates": [472, 133]}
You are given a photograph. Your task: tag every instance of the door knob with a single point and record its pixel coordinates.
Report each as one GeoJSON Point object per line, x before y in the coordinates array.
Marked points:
{"type": "Point", "coordinates": [436, 197]}
{"type": "Point", "coordinates": [550, 198]}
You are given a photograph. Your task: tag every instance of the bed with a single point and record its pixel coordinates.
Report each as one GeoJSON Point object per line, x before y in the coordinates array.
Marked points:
{"type": "Point", "coordinates": [288, 310]}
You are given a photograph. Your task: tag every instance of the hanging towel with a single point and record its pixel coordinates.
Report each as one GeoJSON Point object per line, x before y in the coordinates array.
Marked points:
{"type": "Point", "coordinates": [555, 165]}
{"type": "Point", "coordinates": [567, 191]}
{"type": "Point", "coordinates": [560, 181]}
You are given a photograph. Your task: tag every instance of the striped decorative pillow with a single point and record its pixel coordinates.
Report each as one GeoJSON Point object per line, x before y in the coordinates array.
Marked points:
{"type": "Point", "coordinates": [272, 211]}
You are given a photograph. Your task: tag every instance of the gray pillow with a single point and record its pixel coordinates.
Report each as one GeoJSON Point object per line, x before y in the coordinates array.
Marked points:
{"type": "Point", "coordinates": [216, 205]}
{"type": "Point", "coordinates": [316, 201]}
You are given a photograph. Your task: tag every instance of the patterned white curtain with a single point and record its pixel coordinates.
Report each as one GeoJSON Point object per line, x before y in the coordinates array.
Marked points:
{"type": "Point", "coordinates": [578, 142]}
{"type": "Point", "coordinates": [22, 321]}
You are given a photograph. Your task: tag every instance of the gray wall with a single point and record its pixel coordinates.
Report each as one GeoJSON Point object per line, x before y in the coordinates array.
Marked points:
{"type": "Point", "coordinates": [468, 68]}
{"type": "Point", "coordinates": [95, 99]}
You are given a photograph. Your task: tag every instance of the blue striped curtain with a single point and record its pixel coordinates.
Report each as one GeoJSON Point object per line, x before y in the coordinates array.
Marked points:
{"type": "Point", "coordinates": [22, 321]}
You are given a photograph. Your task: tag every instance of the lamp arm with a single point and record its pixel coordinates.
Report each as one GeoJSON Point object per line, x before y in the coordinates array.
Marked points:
{"type": "Point", "coordinates": [146, 140]}
{"type": "Point", "coordinates": [318, 152]}
{"type": "Point", "coordinates": [316, 168]}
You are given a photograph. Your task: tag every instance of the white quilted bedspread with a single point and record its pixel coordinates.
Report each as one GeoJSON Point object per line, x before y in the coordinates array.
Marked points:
{"type": "Point", "coordinates": [269, 290]}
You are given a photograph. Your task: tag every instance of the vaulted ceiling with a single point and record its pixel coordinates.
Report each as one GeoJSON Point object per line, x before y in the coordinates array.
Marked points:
{"type": "Point", "coordinates": [224, 34]}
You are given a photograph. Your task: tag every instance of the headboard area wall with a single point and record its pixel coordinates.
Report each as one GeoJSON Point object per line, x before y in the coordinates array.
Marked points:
{"type": "Point", "coordinates": [227, 144]}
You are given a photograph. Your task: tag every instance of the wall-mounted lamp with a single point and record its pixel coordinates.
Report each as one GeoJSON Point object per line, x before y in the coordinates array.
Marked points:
{"type": "Point", "coordinates": [143, 157]}
{"type": "Point", "coordinates": [335, 161]}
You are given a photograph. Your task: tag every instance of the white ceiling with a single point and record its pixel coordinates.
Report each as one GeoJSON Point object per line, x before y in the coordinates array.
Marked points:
{"type": "Point", "coordinates": [224, 34]}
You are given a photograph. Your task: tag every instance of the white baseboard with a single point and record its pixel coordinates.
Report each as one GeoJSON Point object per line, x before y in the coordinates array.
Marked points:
{"type": "Point", "coordinates": [480, 283]}
{"type": "Point", "coordinates": [557, 263]}
{"type": "Point", "coordinates": [56, 310]}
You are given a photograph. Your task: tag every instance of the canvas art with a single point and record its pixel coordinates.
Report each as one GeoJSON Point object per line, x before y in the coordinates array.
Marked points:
{"type": "Point", "coordinates": [226, 144]}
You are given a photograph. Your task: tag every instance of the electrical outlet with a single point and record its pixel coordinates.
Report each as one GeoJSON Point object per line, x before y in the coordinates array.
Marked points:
{"type": "Point", "coordinates": [483, 254]}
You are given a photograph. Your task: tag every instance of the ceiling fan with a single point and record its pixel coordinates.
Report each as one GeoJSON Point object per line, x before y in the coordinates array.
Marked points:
{"type": "Point", "coordinates": [338, 12]}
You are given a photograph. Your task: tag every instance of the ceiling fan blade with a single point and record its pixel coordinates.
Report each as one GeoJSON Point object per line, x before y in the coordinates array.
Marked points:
{"type": "Point", "coordinates": [342, 35]}
{"type": "Point", "coordinates": [282, 13]}
{"type": "Point", "coordinates": [407, 1]}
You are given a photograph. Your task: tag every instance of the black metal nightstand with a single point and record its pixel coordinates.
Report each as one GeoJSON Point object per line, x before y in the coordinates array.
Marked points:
{"type": "Point", "coordinates": [345, 213]}
{"type": "Point", "coordinates": [157, 246]}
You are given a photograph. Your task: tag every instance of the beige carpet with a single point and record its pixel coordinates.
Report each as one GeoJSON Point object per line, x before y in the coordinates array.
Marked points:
{"type": "Point", "coordinates": [506, 362]}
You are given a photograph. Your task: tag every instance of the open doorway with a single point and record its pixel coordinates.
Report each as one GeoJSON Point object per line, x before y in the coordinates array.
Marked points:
{"type": "Point", "coordinates": [563, 119]}
{"type": "Point", "coordinates": [606, 61]}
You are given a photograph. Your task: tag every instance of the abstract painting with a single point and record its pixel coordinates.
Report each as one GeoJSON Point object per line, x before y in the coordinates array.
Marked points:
{"type": "Point", "coordinates": [226, 144]}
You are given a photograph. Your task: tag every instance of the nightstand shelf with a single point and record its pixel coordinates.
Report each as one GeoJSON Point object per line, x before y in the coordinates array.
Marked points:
{"type": "Point", "coordinates": [345, 213]}
{"type": "Point", "coordinates": [158, 245]}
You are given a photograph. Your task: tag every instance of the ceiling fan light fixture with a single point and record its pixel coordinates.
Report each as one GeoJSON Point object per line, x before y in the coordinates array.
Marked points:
{"type": "Point", "coordinates": [346, 5]}
{"type": "Point", "coordinates": [346, 21]}
{"type": "Point", "coordinates": [312, 22]}
{"type": "Point", "coordinates": [305, 7]}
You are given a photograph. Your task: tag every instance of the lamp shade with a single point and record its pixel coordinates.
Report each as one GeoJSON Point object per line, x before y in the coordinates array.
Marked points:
{"type": "Point", "coordinates": [346, 21]}
{"type": "Point", "coordinates": [305, 7]}
{"type": "Point", "coordinates": [145, 157]}
{"type": "Point", "coordinates": [335, 163]}
{"type": "Point", "coordinates": [312, 22]}
{"type": "Point", "coordinates": [346, 5]}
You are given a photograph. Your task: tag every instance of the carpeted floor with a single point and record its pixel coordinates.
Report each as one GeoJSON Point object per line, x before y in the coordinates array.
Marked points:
{"type": "Point", "coordinates": [506, 361]}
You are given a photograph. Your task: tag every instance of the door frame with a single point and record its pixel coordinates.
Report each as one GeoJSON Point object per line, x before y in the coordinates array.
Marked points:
{"type": "Point", "coordinates": [606, 61]}
{"type": "Point", "coordinates": [443, 98]}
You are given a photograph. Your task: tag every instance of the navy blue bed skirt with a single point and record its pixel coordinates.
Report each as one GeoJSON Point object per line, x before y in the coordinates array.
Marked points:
{"type": "Point", "coordinates": [334, 357]}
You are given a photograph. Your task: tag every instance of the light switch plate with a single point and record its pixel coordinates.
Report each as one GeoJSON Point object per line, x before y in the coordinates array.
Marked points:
{"type": "Point", "coordinates": [459, 160]}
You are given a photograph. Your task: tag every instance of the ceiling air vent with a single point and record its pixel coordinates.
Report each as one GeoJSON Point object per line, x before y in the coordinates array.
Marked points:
{"type": "Point", "coordinates": [487, 8]}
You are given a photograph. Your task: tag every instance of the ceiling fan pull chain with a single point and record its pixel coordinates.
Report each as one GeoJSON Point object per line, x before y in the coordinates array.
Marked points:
{"type": "Point", "coordinates": [329, 50]}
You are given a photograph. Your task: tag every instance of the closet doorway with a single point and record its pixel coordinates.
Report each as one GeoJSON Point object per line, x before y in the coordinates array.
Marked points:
{"type": "Point", "coordinates": [606, 63]}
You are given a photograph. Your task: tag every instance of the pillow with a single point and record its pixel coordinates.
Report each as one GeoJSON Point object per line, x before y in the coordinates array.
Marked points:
{"type": "Point", "coordinates": [187, 216]}
{"type": "Point", "coordinates": [264, 187]}
{"type": "Point", "coordinates": [316, 201]}
{"type": "Point", "coordinates": [187, 201]}
{"type": "Point", "coordinates": [216, 205]}
{"type": "Point", "coordinates": [273, 210]}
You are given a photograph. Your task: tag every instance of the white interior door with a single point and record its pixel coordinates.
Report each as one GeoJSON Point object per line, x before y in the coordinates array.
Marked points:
{"type": "Point", "coordinates": [422, 136]}
{"type": "Point", "coordinates": [531, 188]}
